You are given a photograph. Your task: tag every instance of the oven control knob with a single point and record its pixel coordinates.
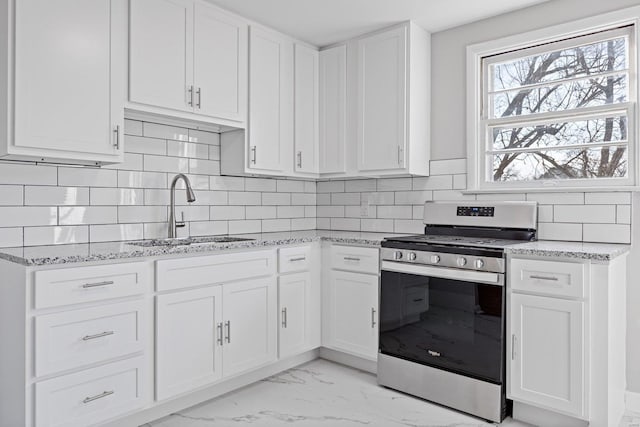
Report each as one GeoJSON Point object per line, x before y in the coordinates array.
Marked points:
{"type": "Point", "coordinates": [397, 255]}
{"type": "Point", "coordinates": [435, 259]}
{"type": "Point", "coordinates": [412, 256]}
{"type": "Point", "coordinates": [462, 261]}
{"type": "Point", "coordinates": [479, 263]}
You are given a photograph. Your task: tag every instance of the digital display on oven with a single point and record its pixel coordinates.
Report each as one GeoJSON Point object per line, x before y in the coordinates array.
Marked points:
{"type": "Point", "coordinates": [475, 210]}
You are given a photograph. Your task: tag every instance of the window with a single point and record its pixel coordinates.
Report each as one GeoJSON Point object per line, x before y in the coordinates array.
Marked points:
{"type": "Point", "coordinates": [557, 113]}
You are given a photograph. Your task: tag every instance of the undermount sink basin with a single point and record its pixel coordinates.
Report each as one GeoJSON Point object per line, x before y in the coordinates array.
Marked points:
{"type": "Point", "coordinates": [190, 241]}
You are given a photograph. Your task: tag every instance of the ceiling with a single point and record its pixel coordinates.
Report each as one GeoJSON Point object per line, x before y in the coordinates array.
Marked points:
{"type": "Point", "coordinates": [323, 22]}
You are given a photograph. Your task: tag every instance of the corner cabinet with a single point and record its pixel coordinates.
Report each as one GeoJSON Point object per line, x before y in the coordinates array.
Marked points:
{"type": "Point", "coordinates": [188, 56]}
{"type": "Point", "coordinates": [566, 340]}
{"type": "Point", "coordinates": [64, 80]}
{"type": "Point", "coordinates": [332, 109]}
{"type": "Point", "coordinates": [306, 130]}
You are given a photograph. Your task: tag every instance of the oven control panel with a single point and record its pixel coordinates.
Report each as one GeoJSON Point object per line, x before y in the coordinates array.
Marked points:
{"type": "Point", "coordinates": [475, 211]}
{"type": "Point", "coordinates": [442, 259]}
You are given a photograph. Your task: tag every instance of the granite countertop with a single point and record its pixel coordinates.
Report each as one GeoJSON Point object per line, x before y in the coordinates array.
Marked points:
{"type": "Point", "coordinates": [75, 253]}
{"type": "Point", "coordinates": [63, 254]}
{"type": "Point", "coordinates": [577, 250]}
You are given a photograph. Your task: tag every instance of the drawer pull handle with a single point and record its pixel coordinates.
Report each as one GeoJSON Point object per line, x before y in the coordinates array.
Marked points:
{"type": "Point", "coordinates": [98, 396]}
{"type": "Point", "coordinates": [98, 284]}
{"type": "Point", "coordinates": [552, 278]}
{"type": "Point", "coordinates": [100, 335]}
{"type": "Point", "coordinates": [373, 317]}
{"type": "Point", "coordinates": [351, 258]}
{"type": "Point", "coordinates": [297, 259]}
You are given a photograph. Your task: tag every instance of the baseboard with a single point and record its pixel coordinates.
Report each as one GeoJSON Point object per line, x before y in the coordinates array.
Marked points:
{"type": "Point", "coordinates": [349, 360]}
{"type": "Point", "coordinates": [632, 401]}
{"type": "Point", "coordinates": [541, 417]}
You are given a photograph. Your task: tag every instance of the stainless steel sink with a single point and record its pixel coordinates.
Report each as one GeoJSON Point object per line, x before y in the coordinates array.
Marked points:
{"type": "Point", "coordinates": [189, 241]}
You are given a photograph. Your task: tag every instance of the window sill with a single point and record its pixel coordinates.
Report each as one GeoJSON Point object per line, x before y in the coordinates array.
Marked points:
{"type": "Point", "coordinates": [630, 188]}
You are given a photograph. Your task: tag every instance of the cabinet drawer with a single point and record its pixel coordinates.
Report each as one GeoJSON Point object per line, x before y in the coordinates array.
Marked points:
{"type": "Point", "coordinates": [188, 272]}
{"type": "Point", "coordinates": [77, 338]}
{"type": "Point", "coordinates": [294, 259]}
{"type": "Point", "coordinates": [86, 284]}
{"type": "Point", "coordinates": [554, 278]}
{"type": "Point", "coordinates": [353, 258]}
{"type": "Point", "coordinates": [92, 396]}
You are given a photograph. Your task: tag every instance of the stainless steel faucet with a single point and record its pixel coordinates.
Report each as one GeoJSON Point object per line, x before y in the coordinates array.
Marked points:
{"type": "Point", "coordinates": [173, 224]}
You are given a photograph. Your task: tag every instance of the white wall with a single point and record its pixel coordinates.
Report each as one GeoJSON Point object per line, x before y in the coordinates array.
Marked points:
{"type": "Point", "coordinates": [449, 105]}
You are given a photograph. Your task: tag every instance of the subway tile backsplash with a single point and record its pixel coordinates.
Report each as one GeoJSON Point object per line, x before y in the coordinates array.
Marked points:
{"type": "Point", "coordinates": [43, 204]}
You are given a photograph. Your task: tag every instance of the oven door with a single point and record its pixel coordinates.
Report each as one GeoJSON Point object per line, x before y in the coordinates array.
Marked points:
{"type": "Point", "coordinates": [444, 317]}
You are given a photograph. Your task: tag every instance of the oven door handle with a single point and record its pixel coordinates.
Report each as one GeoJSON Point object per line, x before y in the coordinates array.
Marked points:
{"type": "Point", "coordinates": [445, 273]}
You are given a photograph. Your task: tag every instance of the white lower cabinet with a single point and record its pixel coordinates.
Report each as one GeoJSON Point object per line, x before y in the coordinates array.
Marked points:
{"type": "Point", "coordinates": [294, 298]}
{"type": "Point", "coordinates": [206, 334]}
{"type": "Point", "coordinates": [353, 313]}
{"type": "Point", "coordinates": [188, 340]}
{"type": "Point", "coordinates": [547, 355]}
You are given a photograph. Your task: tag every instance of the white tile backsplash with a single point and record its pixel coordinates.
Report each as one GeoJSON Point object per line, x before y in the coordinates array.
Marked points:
{"type": "Point", "coordinates": [55, 196]}
{"type": "Point", "coordinates": [87, 177]}
{"type": "Point", "coordinates": [12, 195]}
{"type": "Point", "coordinates": [87, 215]}
{"type": "Point", "coordinates": [34, 236]}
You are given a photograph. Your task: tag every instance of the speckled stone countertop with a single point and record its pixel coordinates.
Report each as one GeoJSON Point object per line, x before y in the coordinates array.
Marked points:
{"type": "Point", "coordinates": [74, 253]}
{"type": "Point", "coordinates": [578, 250]}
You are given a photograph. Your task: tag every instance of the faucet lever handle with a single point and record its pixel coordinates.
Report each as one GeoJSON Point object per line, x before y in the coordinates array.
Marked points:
{"type": "Point", "coordinates": [181, 223]}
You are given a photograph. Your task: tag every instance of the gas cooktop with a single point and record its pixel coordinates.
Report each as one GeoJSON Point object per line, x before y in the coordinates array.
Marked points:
{"type": "Point", "coordinates": [459, 241]}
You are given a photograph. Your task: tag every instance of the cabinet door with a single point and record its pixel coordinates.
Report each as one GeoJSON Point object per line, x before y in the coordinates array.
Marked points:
{"type": "Point", "coordinates": [250, 316]}
{"type": "Point", "coordinates": [333, 109]}
{"type": "Point", "coordinates": [306, 109]}
{"type": "Point", "coordinates": [547, 353]}
{"type": "Point", "coordinates": [188, 340]}
{"type": "Point", "coordinates": [69, 77]}
{"type": "Point", "coordinates": [220, 64]}
{"type": "Point", "coordinates": [353, 313]}
{"type": "Point", "coordinates": [382, 69]}
{"type": "Point", "coordinates": [294, 297]}
{"type": "Point", "coordinates": [161, 53]}
{"type": "Point", "coordinates": [271, 101]}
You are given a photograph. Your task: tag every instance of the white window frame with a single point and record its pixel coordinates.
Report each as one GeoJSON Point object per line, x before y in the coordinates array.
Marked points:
{"type": "Point", "coordinates": [477, 123]}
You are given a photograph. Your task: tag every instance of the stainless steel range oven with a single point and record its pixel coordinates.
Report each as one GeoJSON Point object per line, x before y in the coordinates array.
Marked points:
{"type": "Point", "coordinates": [442, 305]}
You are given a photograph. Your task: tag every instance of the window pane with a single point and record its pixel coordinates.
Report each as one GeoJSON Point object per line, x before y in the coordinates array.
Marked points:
{"type": "Point", "coordinates": [603, 162]}
{"type": "Point", "coordinates": [590, 92]}
{"type": "Point", "coordinates": [581, 61]}
{"type": "Point", "coordinates": [585, 131]}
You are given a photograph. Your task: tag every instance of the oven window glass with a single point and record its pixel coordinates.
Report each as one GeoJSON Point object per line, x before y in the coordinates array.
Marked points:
{"type": "Point", "coordinates": [449, 324]}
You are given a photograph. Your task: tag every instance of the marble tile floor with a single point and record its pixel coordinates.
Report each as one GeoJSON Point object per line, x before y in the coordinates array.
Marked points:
{"type": "Point", "coordinates": [325, 394]}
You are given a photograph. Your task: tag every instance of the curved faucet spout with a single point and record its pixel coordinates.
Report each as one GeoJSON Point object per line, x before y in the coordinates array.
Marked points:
{"type": "Point", "coordinates": [191, 197]}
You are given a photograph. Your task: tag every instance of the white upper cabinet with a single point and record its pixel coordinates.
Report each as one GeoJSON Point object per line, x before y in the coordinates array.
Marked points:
{"type": "Point", "coordinates": [190, 57]}
{"type": "Point", "coordinates": [270, 135]}
{"type": "Point", "coordinates": [68, 66]}
{"type": "Point", "coordinates": [382, 63]}
{"type": "Point", "coordinates": [332, 109]}
{"type": "Point", "coordinates": [393, 86]}
{"type": "Point", "coordinates": [306, 109]}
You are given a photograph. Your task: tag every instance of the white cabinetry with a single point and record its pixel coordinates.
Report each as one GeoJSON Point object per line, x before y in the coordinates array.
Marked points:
{"type": "Point", "coordinates": [350, 309]}
{"type": "Point", "coordinates": [64, 80]}
{"type": "Point", "coordinates": [306, 131]}
{"type": "Point", "coordinates": [333, 104]}
{"type": "Point", "coordinates": [566, 340]}
{"type": "Point", "coordinates": [218, 330]}
{"type": "Point", "coordinates": [188, 56]}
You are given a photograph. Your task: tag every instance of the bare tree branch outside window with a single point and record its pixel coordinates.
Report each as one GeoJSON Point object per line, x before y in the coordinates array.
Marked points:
{"type": "Point", "coordinates": [560, 114]}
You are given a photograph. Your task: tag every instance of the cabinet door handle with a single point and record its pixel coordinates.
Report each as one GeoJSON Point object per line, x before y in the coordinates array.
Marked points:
{"type": "Point", "coordinates": [198, 97]}
{"type": "Point", "coordinates": [299, 159]}
{"type": "Point", "coordinates": [297, 259]}
{"type": "Point", "coordinates": [117, 136]}
{"type": "Point", "coordinates": [373, 317]}
{"type": "Point", "coordinates": [284, 317]}
{"type": "Point", "coordinates": [220, 334]}
{"type": "Point", "coordinates": [350, 258]}
{"type": "Point", "coordinates": [253, 155]}
{"type": "Point", "coordinates": [97, 284]}
{"type": "Point", "coordinates": [190, 96]}
{"type": "Point", "coordinates": [513, 346]}
{"type": "Point", "coordinates": [100, 335]}
{"type": "Point", "coordinates": [228, 325]}
{"type": "Point", "coordinates": [98, 396]}
{"type": "Point", "coordinates": [551, 278]}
